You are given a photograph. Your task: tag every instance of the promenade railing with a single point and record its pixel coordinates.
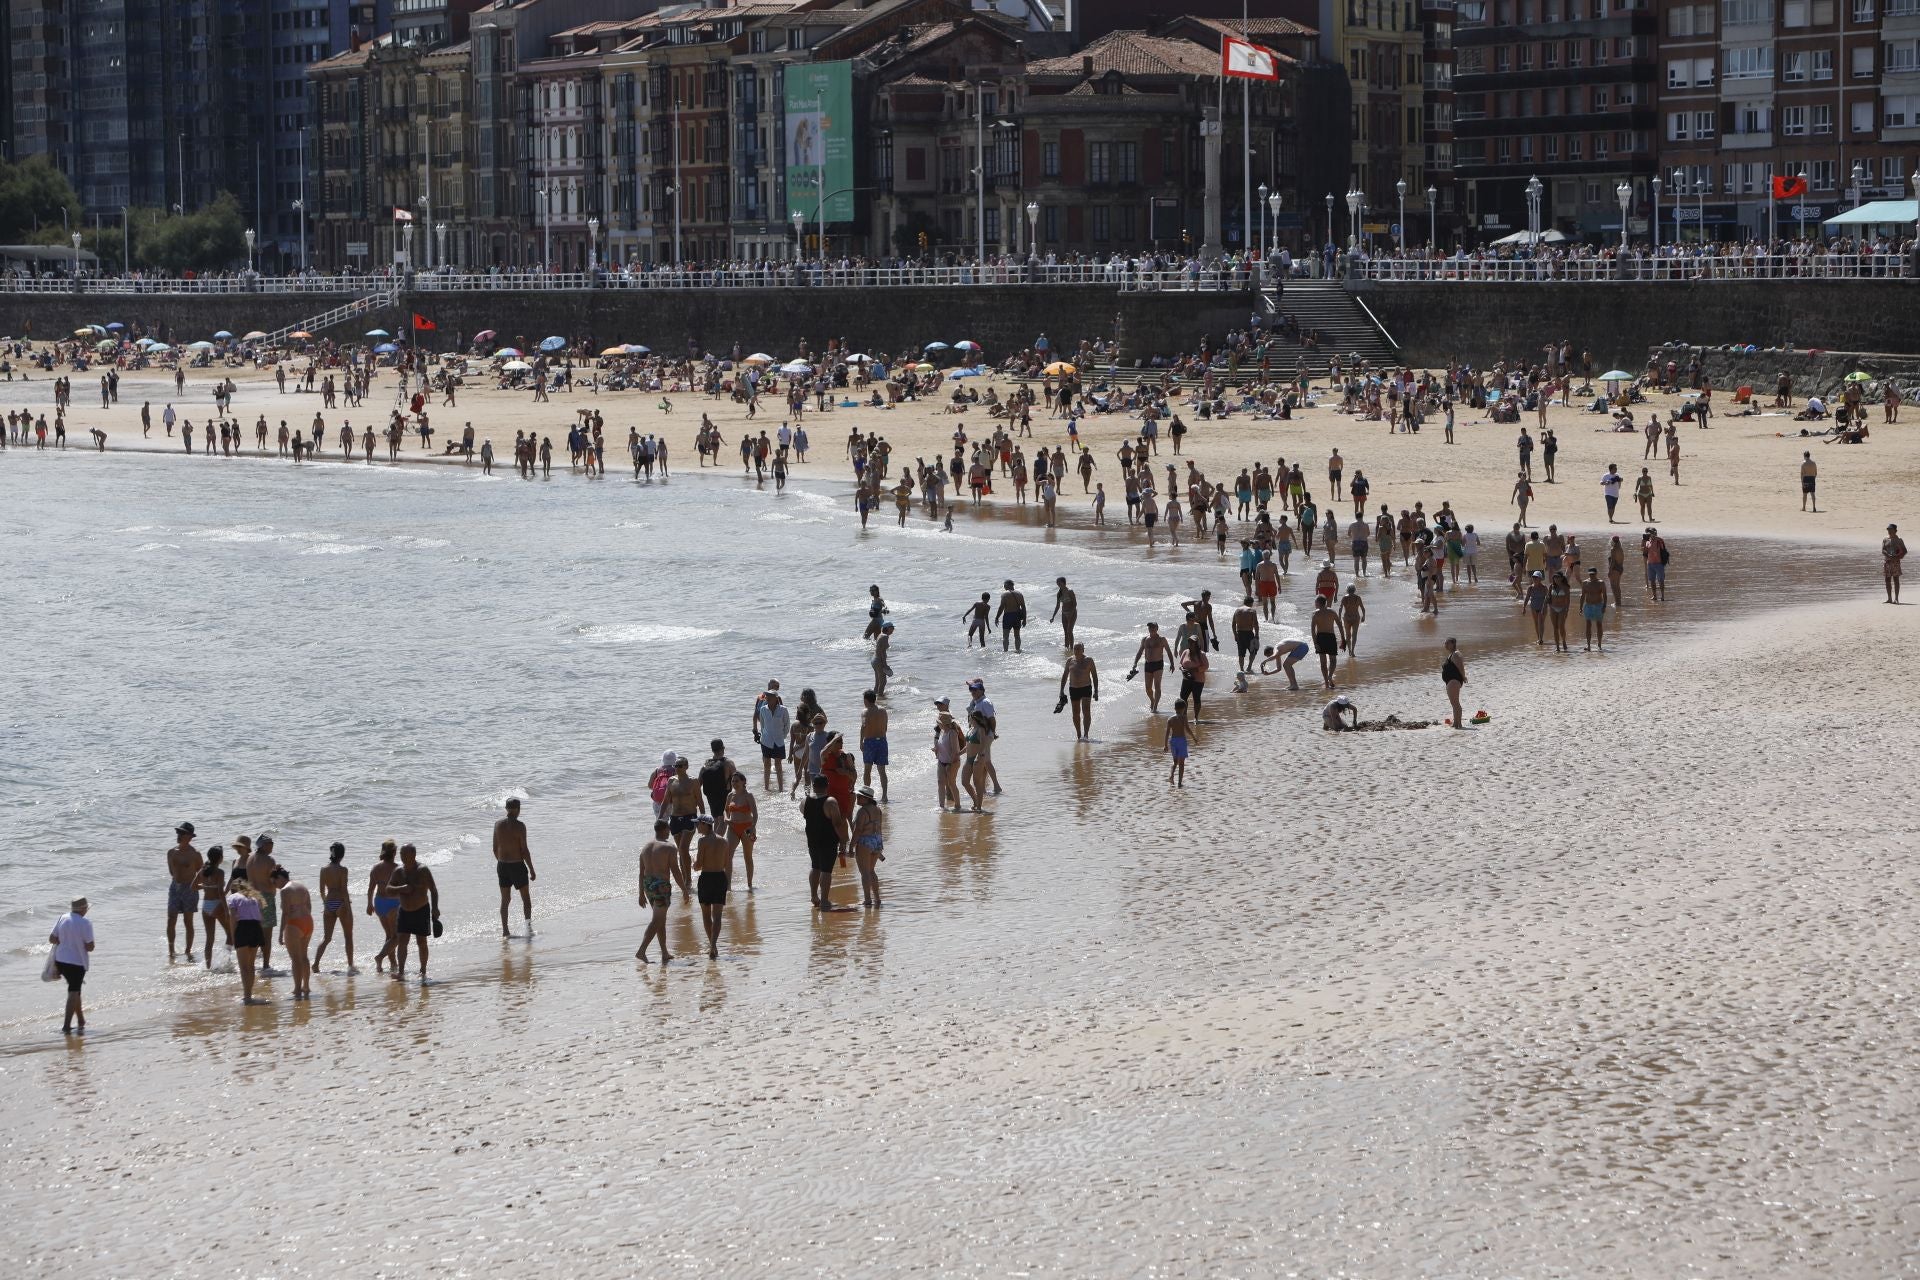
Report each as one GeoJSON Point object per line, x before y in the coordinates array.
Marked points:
{"type": "Point", "coordinates": [1639, 268]}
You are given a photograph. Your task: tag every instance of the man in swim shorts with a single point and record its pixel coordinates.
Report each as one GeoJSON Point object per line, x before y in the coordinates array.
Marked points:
{"type": "Point", "coordinates": [873, 740]}
{"type": "Point", "coordinates": [1325, 625]}
{"type": "Point", "coordinates": [1151, 658]}
{"type": "Point", "coordinates": [1080, 686]}
{"type": "Point", "coordinates": [713, 862]}
{"type": "Point", "coordinates": [419, 896]}
{"type": "Point", "coordinates": [513, 865]}
{"type": "Point", "coordinates": [659, 863]}
{"type": "Point", "coordinates": [683, 804]}
{"type": "Point", "coordinates": [260, 866]}
{"type": "Point", "coordinates": [1593, 608]}
{"type": "Point", "coordinates": [1246, 633]}
{"type": "Point", "coordinates": [183, 899]}
{"type": "Point", "coordinates": [1011, 615]}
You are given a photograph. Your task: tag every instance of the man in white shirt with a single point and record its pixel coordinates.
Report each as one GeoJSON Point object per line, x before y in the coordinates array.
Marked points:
{"type": "Point", "coordinates": [1610, 485]}
{"type": "Point", "coordinates": [772, 722]}
{"type": "Point", "coordinates": [72, 940]}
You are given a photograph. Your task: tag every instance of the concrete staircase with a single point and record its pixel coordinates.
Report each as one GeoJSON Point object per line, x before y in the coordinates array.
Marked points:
{"type": "Point", "coordinates": [1346, 326]}
{"type": "Point", "coordinates": [339, 315]}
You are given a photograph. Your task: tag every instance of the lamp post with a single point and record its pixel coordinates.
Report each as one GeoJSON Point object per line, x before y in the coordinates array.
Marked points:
{"type": "Point", "coordinates": [1033, 228]}
{"type": "Point", "coordinates": [1624, 193]}
{"type": "Point", "coordinates": [979, 178]}
{"type": "Point", "coordinates": [76, 257]}
{"type": "Point", "coordinates": [799, 235]}
{"type": "Point", "coordinates": [1353, 217]}
{"type": "Point", "coordinates": [300, 204]}
{"type": "Point", "coordinates": [1400, 189]}
{"type": "Point", "coordinates": [440, 233]}
{"type": "Point", "coordinates": [1859, 179]}
{"type": "Point", "coordinates": [126, 243]}
{"type": "Point", "coordinates": [1654, 186]}
{"type": "Point", "coordinates": [1329, 217]}
{"type": "Point", "coordinates": [1259, 238]}
{"type": "Point", "coordinates": [406, 248]}
{"type": "Point", "coordinates": [1534, 190]}
{"type": "Point", "coordinates": [248, 233]}
{"type": "Point", "coordinates": [1433, 218]}
{"type": "Point", "coordinates": [1916, 209]}
{"type": "Point", "coordinates": [593, 245]}
{"type": "Point", "coordinates": [1273, 227]}
{"type": "Point", "coordinates": [546, 226]}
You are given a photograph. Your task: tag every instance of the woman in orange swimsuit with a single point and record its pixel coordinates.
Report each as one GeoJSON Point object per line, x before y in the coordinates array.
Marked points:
{"type": "Point", "coordinates": [743, 820]}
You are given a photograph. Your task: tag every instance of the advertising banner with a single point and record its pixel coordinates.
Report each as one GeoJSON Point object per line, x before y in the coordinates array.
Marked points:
{"type": "Point", "coordinates": [819, 104]}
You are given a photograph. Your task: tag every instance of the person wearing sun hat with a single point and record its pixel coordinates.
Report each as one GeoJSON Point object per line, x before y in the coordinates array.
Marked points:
{"type": "Point", "coordinates": [1892, 552]}
{"type": "Point", "coordinates": [183, 899]}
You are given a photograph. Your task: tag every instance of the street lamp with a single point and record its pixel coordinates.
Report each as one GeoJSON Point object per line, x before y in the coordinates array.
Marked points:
{"type": "Point", "coordinates": [126, 243]}
{"type": "Point", "coordinates": [1625, 195]}
{"type": "Point", "coordinates": [1433, 218]}
{"type": "Point", "coordinates": [799, 235]}
{"type": "Point", "coordinates": [1916, 207]}
{"type": "Point", "coordinates": [440, 232]}
{"type": "Point", "coordinates": [1400, 189]}
{"type": "Point", "coordinates": [546, 225]}
{"type": "Point", "coordinates": [1260, 239]}
{"type": "Point", "coordinates": [249, 235]}
{"type": "Point", "coordinates": [1033, 228]}
{"type": "Point", "coordinates": [1859, 179]}
{"type": "Point", "coordinates": [1534, 190]}
{"type": "Point", "coordinates": [1655, 187]}
{"type": "Point", "coordinates": [406, 248]}
{"type": "Point", "coordinates": [1273, 230]}
{"type": "Point", "coordinates": [76, 256]}
{"type": "Point", "coordinates": [1353, 217]}
{"type": "Point", "coordinates": [593, 245]}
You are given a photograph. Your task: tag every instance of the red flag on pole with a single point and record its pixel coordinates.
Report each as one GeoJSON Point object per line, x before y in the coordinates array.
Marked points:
{"type": "Point", "coordinates": [1247, 60]}
{"type": "Point", "coordinates": [421, 322]}
{"type": "Point", "coordinates": [1787, 188]}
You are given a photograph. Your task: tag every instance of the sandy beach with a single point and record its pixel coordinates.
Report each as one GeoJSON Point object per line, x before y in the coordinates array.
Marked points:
{"type": "Point", "coordinates": [1609, 987]}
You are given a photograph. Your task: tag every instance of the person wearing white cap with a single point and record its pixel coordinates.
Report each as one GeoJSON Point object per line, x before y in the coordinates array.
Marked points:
{"type": "Point", "coordinates": [1340, 714]}
{"type": "Point", "coordinates": [72, 940]}
{"type": "Point", "coordinates": [772, 723]}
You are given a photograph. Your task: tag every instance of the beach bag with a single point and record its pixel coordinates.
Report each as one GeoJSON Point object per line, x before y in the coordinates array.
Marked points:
{"type": "Point", "coordinates": [50, 971]}
{"type": "Point", "coordinates": [1666, 554]}
{"type": "Point", "coordinates": [657, 785]}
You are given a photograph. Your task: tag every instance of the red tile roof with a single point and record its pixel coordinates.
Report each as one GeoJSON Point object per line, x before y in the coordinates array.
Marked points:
{"type": "Point", "coordinates": [1133, 53]}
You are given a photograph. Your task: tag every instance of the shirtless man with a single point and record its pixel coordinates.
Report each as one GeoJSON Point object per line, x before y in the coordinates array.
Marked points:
{"type": "Point", "coordinates": [976, 617]}
{"type": "Point", "coordinates": [183, 900]}
{"type": "Point", "coordinates": [873, 741]}
{"type": "Point", "coordinates": [260, 867]}
{"type": "Point", "coordinates": [876, 612]}
{"type": "Point", "coordinates": [513, 866]}
{"type": "Point", "coordinates": [1080, 686]}
{"type": "Point", "coordinates": [419, 896]}
{"type": "Point", "coordinates": [713, 863]}
{"type": "Point", "coordinates": [1201, 612]}
{"type": "Point", "coordinates": [1066, 607]}
{"type": "Point", "coordinates": [868, 845]}
{"type": "Point", "coordinates": [296, 929]}
{"type": "Point", "coordinates": [1892, 551]}
{"type": "Point", "coordinates": [683, 804]}
{"type": "Point", "coordinates": [1011, 615]}
{"type": "Point", "coordinates": [881, 670]}
{"type": "Point", "coordinates": [336, 900]}
{"type": "Point", "coordinates": [1151, 657]}
{"type": "Point", "coordinates": [1353, 612]}
{"type": "Point", "coordinates": [658, 865]}
{"type": "Point", "coordinates": [1593, 608]}
{"type": "Point", "coordinates": [1179, 737]}
{"type": "Point", "coordinates": [1325, 626]}
{"type": "Point", "coordinates": [1246, 633]}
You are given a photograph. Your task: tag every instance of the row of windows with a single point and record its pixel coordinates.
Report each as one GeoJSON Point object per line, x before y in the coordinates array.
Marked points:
{"type": "Point", "coordinates": [1506, 13]}
{"type": "Point", "coordinates": [1896, 111]}
{"type": "Point", "coordinates": [1575, 148]}
{"type": "Point", "coordinates": [1756, 62]}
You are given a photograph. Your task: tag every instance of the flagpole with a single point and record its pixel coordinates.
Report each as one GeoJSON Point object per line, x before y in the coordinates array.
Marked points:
{"type": "Point", "coordinates": [1246, 148]}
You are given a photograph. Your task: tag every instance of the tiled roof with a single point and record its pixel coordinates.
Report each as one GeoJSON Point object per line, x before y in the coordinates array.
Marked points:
{"type": "Point", "coordinates": [1133, 53]}
{"type": "Point", "coordinates": [1257, 27]}
{"type": "Point", "coordinates": [347, 58]}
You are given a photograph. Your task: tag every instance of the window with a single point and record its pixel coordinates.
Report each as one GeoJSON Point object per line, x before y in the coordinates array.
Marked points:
{"type": "Point", "coordinates": [1600, 96]}
{"type": "Point", "coordinates": [1050, 222]}
{"type": "Point", "coordinates": [1862, 117]}
{"type": "Point", "coordinates": [1793, 13]}
{"type": "Point", "coordinates": [1526, 149]}
{"type": "Point", "coordinates": [1599, 146]}
{"type": "Point", "coordinates": [1794, 69]}
{"type": "Point", "coordinates": [1680, 21]}
{"type": "Point", "coordinates": [1738, 13]}
{"type": "Point", "coordinates": [1902, 56]}
{"type": "Point", "coordinates": [1503, 151]}
{"type": "Point", "coordinates": [1893, 173]}
{"type": "Point", "coordinates": [1793, 122]}
{"type": "Point", "coordinates": [1706, 124]}
{"type": "Point", "coordinates": [1820, 174]}
{"type": "Point", "coordinates": [1552, 155]}
{"type": "Point", "coordinates": [1677, 126]}
{"type": "Point", "coordinates": [1099, 164]}
{"type": "Point", "coordinates": [1575, 148]}
{"type": "Point", "coordinates": [1703, 72]}
{"type": "Point", "coordinates": [1594, 193]}
{"type": "Point", "coordinates": [1623, 47]}
{"type": "Point", "coordinates": [1576, 51]}
{"type": "Point", "coordinates": [1753, 118]}
{"type": "Point", "coordinates": [1100, 222]}
{"type": "Point", "coordinates": [1049, 159]}
{"type": "Point", "coordinates": [1503, 59]}
{"type": "Point", "coordinates": [1550, 56]}
{"type": "Point", "coordinates": [1600, 52]}
{"type": "Point", "coordinates": [1863, 10]}
{"type": "Point", "coordinates": [1679, 73]}
{"type": "Point", "coordinates": [1750, 62]}
{"type": "Point", "coordinates": [1863, 62]}
{"type": "Point", "coordinates": [1899, 111]}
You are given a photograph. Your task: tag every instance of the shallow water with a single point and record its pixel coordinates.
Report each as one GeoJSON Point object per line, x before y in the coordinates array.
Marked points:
{"type": "Point", "coordinates": [1315, 1014]}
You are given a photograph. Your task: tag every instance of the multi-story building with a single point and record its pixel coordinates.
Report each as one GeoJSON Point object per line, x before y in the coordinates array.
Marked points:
{"type": "Point", "coordinates": [300, 33]}
{"type": "Point", "coordinates": [1758, 89]}
{"type": "Point", "coordinates": [1556, 90]}
{"type": "Point", "coordinates": [1436, 126]}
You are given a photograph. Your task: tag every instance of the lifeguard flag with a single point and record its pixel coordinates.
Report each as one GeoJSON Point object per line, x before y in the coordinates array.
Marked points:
{"type": "Point", "coordinates": [1788, 188]}
{"type": "Point", "coordinates": [421, 322]}
{"type": "Point", "coordinates": [401, 215]}
{"type": "Point", "coordinates": [1248, 61]}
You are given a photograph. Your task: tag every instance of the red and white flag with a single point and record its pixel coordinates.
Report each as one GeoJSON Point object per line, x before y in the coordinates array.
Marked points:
{"type": "Point", "coordinates": [401, 215]}
{"type": "Point", "coordinates": [1247, 60]}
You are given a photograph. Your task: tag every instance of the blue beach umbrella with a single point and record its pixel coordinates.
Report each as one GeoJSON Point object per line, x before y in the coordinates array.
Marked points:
{"type": "Point", "coordinates": [378, 333]}
{"type": "Point", "coordinates": [635, 349]}
{"type": "Point", "coordinates": [116, 325]}
{"type": "Point", "coordinates": [554, 343]}
{"type": "Point", "coordinates": [223, 335]}
{"type": "Point", "coordinates": [936, 346]}
{"type": "Point", "coordinates": [385, 348]}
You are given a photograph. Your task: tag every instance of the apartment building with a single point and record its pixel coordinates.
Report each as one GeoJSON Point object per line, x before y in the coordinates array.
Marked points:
{"type": "Point", "coordinates": [1562, 91]}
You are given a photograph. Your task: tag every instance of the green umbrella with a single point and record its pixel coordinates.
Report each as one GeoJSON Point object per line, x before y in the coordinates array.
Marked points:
{"type": "Point", "coordinates": [1859, 376]}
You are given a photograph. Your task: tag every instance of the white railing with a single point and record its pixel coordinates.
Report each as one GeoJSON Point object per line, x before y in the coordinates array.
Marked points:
{"type": "Point", "coordinates": [123, 286]}
{"type": "Point", "coordinates": [813, 275]}
{"type": "Point", "coordinates": [1639, 268]}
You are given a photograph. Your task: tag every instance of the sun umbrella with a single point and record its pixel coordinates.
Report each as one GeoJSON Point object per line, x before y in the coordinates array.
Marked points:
{"type": "Point", "coordinates": [936, 346]}
{"type": "Point", "coordinates": [199, 346]}
{"type": "Point", "coordinates": [385, 348]}
{"type": "Point", "coordinates": [223, 335]}
{"type": "Point", "coordinates": [796, 366]}
{"type": "Point", "coordinates": [923, 367]}
{"type": "Point", "coordinates": [967, 345]}
{"type": "Point", "coordinates": [758, 357]}
{"type": "Point", "coordinates": [252, 335]}
{"type": "Point", "coordinates": [614, 351]}
{"type": "Point", "coordinates": [106, 344]}
{"type": "Point", "coordinates": [859, 359]}
{"type": "Point", "coordinates": [1616, 375]}
{"type": "Point", "coordinates": [554, 343]}
{"type": "Point", "coordinates": [507, 353]}
{"type": "Point", "coordinates": [516, 366]}
{"type": "Point", "coordinates": [300, 333]}
{"type": "Point", "coordinates": [84, 331]}
{"type": "Point", "coordinates": [1059, 367]}
{"type": "Point", "coordinates": [378, 333]}
{"type": "Point", "coordinates": [964, 373]}
{"type": "Point", "coordinates": [116, 325]}
{"type": "Point", "coordinates": [635, 349]}
{"type": "Point", "coordinates": [483, 335]}
{"type": "Point", "coordinates": [158, 346]}
{"type": "Point", "coordinates": [1858, 375]}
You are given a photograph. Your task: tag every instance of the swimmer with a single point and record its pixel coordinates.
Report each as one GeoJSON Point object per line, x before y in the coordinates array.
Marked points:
{"type": "Point", "coordinates": [336, 901]}
{"type": "Point", "coordinates": [1178, 738]}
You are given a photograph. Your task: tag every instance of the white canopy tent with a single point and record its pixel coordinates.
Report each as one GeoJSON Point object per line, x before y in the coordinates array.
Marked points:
{"type": "Point", "coordinates": [1548, 236]}
{"type": "Point", "coordinates": [1876, 213]}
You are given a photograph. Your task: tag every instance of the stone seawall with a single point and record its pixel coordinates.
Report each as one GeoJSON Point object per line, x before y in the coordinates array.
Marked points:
{"type": "Point", "coordinates": [1620, 323]}
{"type": "Point", "coordinates": [1821, 372]}
{"type": "Point", "coordinates": [894, 319]}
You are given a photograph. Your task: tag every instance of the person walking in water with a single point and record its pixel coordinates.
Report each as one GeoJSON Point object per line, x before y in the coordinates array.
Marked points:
{"type": "Point", "coordinates": [336, 903]}
{"type": "Point", "coordinates": [868, 845]}
{"type": "Point", "coordinates": [1080, 686]}
{"type": "Point", "coordinates": [72, 940]}
{"type": "Point", "coordinates": [713, 867]}
{"type": "Point", "coordinates": [183, 900]}
{"type": "Point", "coordinates": [659, 862]}
{"type": "Point", "coordinates": [1066, 607]}
{"type": "Point", "coordinates": [513, 866]}
{"type": "Point", "coordinates": [419, 909]}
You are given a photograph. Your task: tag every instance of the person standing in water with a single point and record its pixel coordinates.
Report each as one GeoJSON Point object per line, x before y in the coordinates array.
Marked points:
{"type": "Point", "coordinates": [183, 869]}
{"type": "Point", "coordinates": [713, 866]}
{"type": "Point", "coordinates": [1080, 686]}
{"type": "Point", "coordinates": [72, 940]}
{"type": "Point", "coordinates": [881, 670]}
{"type": "Point", "coordinates": [419, 909]}
{"type": "Point", "coordinates": [513, 865]}
{"type": "Point", "coordinates": [382, 903]}
{"type": "Point", "coordinates": [336, 903]}
{"type": "Point", "coordinates": [1179, 736]}
{"type": "Point", "coordinates": [1453, 674]}
{"type": "Point", "coordinates": [868, 845]}
{"type": "Point", "coordinates": [659, 861]}
{"type": "Point", "coordinates": [1011, 615]}
{"type": "Point", "coordinates": [825, 827]}
{"type": "Point", "coordinates": [296, 930]}
{"type": "Point", "coordinates": [873, 744]}
{"type": "Point", "coordinates": [1151, 657]}
{"type": "Point", "coordinates": [1066, 607]}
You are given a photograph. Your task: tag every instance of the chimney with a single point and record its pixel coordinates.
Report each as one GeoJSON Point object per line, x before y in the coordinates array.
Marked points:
{"type": "Point", "coordinates": [1086, 65]}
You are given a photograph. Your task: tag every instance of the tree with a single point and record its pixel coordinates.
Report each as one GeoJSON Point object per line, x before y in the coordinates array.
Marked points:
{"type": "Point", "coordinates": [32, 194]}
{"type": "Point", "coordinates": [211, 238]}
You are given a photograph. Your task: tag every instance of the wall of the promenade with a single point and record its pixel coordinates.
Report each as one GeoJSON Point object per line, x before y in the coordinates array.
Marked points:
{"type": "Point", "coordinates": [1482, 323]}
{"type": "Point", "coordinates": [888, 319]}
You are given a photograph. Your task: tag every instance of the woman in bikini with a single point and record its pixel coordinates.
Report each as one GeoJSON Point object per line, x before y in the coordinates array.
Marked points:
{"type": "Point", "coordinates": [244, 905]}
{"type": "Point", "coordinates": [336, 903]}
{"type": "Point", "coordinates": [743, 822]}
{"type": "Point", "coordinates": [382, 903]}
{"type": "Point", "coordinates": [868, 846]}
{"type": "Point", "coordinates": [212, 882]}
{"type": "Point", "coordinates": [1559, 599]}
{"type": "Point", "coordinates": [1453, 674]}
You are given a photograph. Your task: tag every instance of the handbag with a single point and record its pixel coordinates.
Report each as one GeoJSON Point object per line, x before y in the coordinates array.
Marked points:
{"type": "Point", "coordinates": [50, 971]}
